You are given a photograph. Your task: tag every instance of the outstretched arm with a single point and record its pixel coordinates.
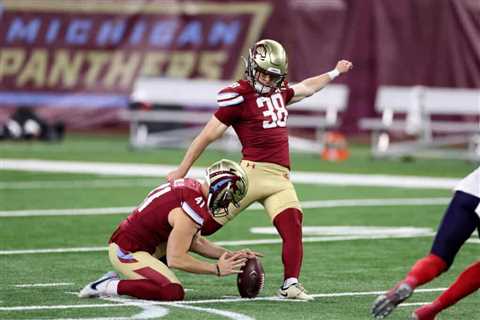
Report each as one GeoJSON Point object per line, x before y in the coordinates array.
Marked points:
{"type": "Point", "coordinates": [207, 249]}
{"type": "Point", "coordinates": [179, 243]}
{"type": "Point", "coordinates": [213, 130]}
{"type": "Point", "coordinates": [310, 86]}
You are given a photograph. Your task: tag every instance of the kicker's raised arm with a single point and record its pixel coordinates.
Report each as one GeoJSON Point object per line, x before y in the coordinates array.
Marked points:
{"type": "Point", "coordinates": [310, 86]}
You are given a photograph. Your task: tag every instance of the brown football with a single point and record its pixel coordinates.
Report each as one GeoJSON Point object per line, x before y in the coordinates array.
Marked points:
{"type": "Point", "coordinates": [250, 282]}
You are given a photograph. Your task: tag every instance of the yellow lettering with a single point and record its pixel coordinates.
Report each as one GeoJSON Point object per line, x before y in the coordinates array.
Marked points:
{"type": "Point", "coordinates": [181, 65]}
{"type": "Point", "coordinates": [122, 69]}
{"type": "Point", "coordinates": [10, 61]}
{"type": "Point", "coordinates": [211, 64]}
{"type": "Point", "coordinates": [35, 69]}
{"type": "Point", "coordinates": [153, 63]}
{"type": "Point", "coordinates": [96, 61]}
{"type": "Point", "coordinates": [66, 68]}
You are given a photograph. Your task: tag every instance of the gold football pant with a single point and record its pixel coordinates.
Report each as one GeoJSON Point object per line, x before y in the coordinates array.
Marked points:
{"type": "Point", "coordinates": [270, 185]}
{"type": "Point", "coordinates": [140, 265]}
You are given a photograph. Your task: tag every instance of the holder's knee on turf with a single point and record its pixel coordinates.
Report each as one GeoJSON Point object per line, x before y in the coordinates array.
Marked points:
{"type": "Point", "coordinates": [149, 290]}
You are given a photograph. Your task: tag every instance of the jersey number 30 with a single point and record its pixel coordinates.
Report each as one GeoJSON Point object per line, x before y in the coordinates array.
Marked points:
{"type": "Point", "coordinates": [276, 112]}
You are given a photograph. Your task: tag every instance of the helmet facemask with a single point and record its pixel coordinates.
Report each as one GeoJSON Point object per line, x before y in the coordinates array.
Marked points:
{"type": "Point", "coordinates": [227, 185]}
{"type": "Point", "coordinates": [267, 57]}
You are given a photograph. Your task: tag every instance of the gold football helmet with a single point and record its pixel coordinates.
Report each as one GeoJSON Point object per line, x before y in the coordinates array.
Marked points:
{"type": "Point", "coordinates": [268, 57]}
{"type": "Point", "coordinates": [228, 183]}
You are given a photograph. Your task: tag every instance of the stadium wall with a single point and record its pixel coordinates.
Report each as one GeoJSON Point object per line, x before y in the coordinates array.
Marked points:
{"type": "Point", "coordinates": [77, 60]}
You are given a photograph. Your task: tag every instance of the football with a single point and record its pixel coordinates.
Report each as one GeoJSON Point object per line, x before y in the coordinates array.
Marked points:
{"type": "Point", "coordinates": [250, 282]}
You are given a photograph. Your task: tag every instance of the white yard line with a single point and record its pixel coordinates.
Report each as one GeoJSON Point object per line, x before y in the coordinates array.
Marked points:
{"type": "Point", "coordinates": [230, 243]}
{"type": "Point", "coordinates": [34, 285]}
{"type": "Point", "coordinates": [221, 243]}
{"type": "Point", "coordinates": [53, 250]}
{"type": "Point", "coordinates": [375, 202]}
{"type": "Point", "coordinates": [64, 212]}
{"type": "Point", "coordinates": [227, 314]}
{"type": "Point", "coordinates": [318, 239]}
{"type": "Point", "coordinates": [149, 304]}
{"type": "Point", "coordinates": [125, 302]}
{"type": "Point", "coordinates": [61, 307]}
{"type": "Point", "coordinates": [255, 206]}
{"type": "Point", "coordinates": [315, 295]}
{"type": "Point", "coordinates": [413, 304]}
{"type": "Point", "coordinates": [150, 170]}
{"type": "Point", "coordinates": [73, 184]}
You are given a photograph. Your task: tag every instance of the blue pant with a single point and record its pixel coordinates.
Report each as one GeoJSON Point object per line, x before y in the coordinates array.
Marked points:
{"type": "Point", "coordinates": [458, 224]}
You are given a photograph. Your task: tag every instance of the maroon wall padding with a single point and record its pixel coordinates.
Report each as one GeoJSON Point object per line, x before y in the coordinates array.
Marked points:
{"type": "Point", "coordinates": [390, 42]}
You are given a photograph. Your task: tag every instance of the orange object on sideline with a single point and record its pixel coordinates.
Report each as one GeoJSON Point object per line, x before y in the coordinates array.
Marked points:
{"type": "Point", "coordinates": [335, 147]}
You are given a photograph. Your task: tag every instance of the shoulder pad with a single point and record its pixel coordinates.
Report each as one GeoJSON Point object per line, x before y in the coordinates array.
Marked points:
{"type": "Point", "coordinates": [231, 95]}
{"type": "Point", "coordinates": [242, 87]}
{"type": "Point", "coordinates": [190, 184]}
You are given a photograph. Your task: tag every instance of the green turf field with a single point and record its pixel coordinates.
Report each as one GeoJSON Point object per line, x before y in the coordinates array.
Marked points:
{"type": "Point", "coordinates": [344, 270]}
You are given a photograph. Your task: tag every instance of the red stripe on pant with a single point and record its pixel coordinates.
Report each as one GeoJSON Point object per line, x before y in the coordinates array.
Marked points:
{"type": "Point", "coordinates": [155, 287]}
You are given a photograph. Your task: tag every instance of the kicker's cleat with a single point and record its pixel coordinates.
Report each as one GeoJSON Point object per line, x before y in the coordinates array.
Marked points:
{"type": "Point", "coordinates": [97, 288]}
{"type": "Point", "coordinates": [294, 291]}
{"type": "Point", "coordinates": [386, 303]}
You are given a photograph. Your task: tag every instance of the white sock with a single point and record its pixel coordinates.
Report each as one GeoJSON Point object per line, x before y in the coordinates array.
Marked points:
{"type": "Point", "coordinates": [288, 282]}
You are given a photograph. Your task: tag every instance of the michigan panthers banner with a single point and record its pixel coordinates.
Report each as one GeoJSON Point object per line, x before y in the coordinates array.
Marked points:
{"type": "Point", "coordinates": [89, 52]}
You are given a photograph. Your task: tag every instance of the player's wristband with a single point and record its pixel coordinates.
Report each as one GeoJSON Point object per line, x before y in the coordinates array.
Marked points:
{"type": "Point", "coordinates": [333, 74]}
{"type": "Point", "coordinates": [218, 270]}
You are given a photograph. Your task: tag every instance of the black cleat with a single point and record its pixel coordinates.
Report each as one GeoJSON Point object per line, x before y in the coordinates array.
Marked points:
{"type": "Point", "coordinates": [385, 303]}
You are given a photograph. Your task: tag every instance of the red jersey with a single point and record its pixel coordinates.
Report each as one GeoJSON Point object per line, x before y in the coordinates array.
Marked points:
{"type": "Point", "coordinates": [148, 226]}
{"type": "Point", "coordinates": [260, 121]}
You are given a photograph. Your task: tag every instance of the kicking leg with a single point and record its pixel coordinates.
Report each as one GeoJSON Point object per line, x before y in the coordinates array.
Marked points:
{"type": "Point", "coordinates": [289, 226]}
{"type": "Point", "coordinates": [459, 222]}
{"type": "Point", "coordinates": [467, 283]}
